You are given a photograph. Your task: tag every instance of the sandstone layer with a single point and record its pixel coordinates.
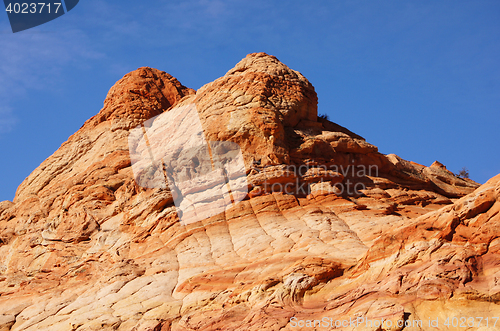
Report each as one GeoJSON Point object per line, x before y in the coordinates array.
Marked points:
{"type": "Point", "coordinates": [330, 228]}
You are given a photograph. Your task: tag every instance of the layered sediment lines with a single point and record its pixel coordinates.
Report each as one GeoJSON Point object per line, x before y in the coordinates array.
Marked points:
{"type": "Point", "coordinates": [330, 228]}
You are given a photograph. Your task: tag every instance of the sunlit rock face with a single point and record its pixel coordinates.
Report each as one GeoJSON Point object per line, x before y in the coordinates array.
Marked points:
{"type": "Point", "coordinates": [250, 213]}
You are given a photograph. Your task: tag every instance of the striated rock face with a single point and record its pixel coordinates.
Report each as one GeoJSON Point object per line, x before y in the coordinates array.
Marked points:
{"type": "Point", "coordinates": [330, 229]}
{"type": "Point", "coordinates": [257, 101]}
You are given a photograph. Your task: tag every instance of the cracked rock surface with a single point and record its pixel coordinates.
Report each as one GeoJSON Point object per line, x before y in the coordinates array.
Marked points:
{"type": "Point", "coordinates": [84, 247]}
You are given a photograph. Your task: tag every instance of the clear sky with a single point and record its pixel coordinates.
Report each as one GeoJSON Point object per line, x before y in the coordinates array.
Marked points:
{"type": "Point", "coordinates": [420, 79]}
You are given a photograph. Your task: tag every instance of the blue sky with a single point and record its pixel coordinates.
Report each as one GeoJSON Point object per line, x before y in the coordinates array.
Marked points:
{"type": "Point", "coordinates": [420, 79]}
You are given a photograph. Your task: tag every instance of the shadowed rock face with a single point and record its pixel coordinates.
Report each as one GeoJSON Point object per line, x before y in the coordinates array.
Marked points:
{"type": "Point", "coordinates": [84, 247]}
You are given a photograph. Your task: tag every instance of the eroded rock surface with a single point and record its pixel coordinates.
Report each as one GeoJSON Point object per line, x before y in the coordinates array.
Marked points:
{"type": "Point", "coordinates": [330, 227]}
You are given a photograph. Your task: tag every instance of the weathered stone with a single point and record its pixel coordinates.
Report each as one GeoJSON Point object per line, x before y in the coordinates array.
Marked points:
{"type": "Point", "coordinates": [330, 227]}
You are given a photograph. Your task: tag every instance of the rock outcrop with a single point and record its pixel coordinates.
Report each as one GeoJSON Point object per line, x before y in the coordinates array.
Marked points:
{"type": "Point", "coordinates": [330, 230]}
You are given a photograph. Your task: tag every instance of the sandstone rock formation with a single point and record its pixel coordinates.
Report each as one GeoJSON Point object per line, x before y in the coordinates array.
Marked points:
{"type": "Point", "coordinates": [330, 228]}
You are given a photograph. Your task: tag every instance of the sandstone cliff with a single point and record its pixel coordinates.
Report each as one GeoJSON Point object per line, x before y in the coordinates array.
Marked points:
{"type": "Point", "coordinates": [330, 227]}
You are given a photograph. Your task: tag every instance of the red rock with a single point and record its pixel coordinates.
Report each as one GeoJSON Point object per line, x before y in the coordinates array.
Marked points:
{"type": "Point", "coordinates": [330, 227]}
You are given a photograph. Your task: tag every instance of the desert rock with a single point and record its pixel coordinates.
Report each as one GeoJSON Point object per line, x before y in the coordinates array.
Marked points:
{"type": "Point", "coordinates": [330, 227]}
